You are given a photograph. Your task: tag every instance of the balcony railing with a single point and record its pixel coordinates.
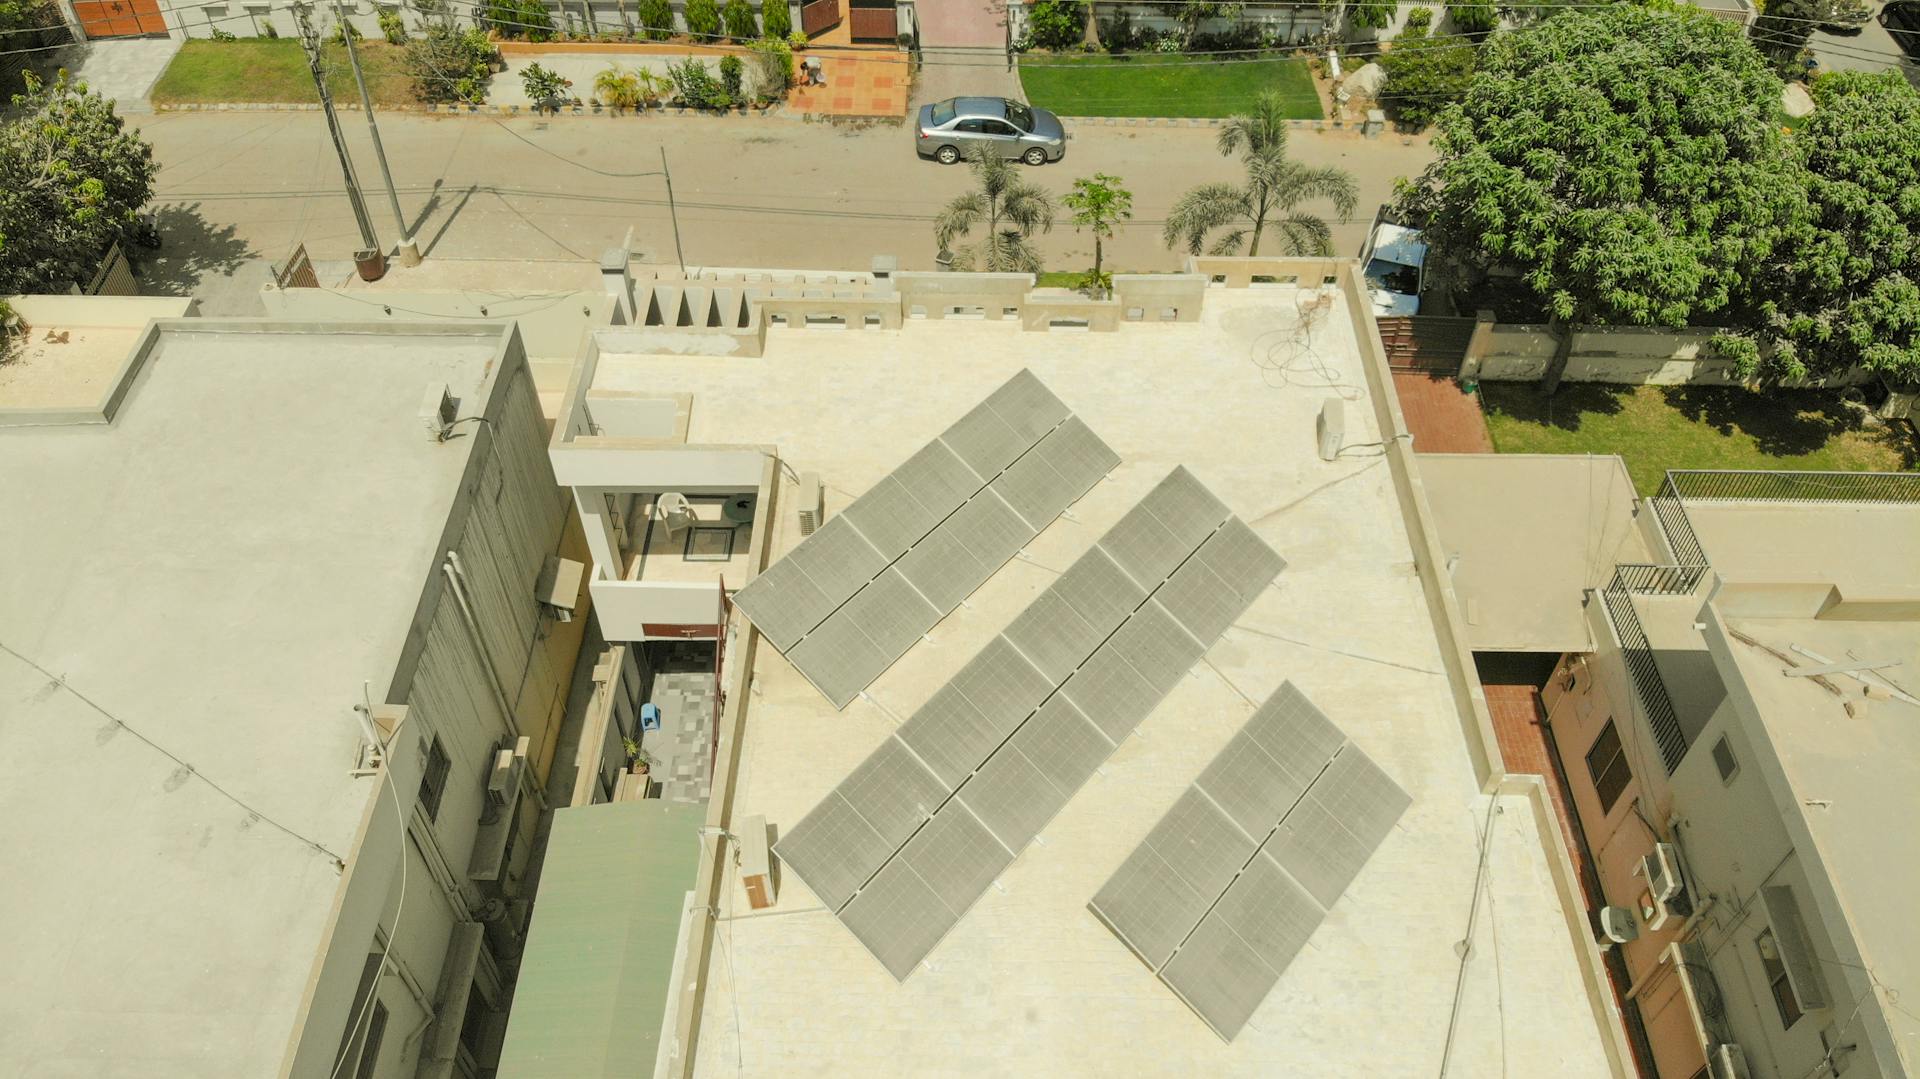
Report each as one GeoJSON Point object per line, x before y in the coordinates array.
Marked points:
{"type": "Point", "coordinates": [1710, 485]}
{"type": "Point", "coordinates": [1637, 653]}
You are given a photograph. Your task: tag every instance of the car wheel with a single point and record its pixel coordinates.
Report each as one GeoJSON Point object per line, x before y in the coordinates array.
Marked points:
{"type": "Point", "coordinates": [946, 155]}
{"type": "Point", "coordinates": [1035, 156]}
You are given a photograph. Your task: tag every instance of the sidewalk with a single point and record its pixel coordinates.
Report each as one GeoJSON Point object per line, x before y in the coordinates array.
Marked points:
{"type": "Point", "coordinates": [123, 70]}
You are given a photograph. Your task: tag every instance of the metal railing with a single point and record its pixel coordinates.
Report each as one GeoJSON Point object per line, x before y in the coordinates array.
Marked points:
{"type": "Point", "coordinates": [1643, 579]}
{"type": "Point", "coordinates": [1701, 485]}
{"type": "Point", "coordinates": [1637, 653]}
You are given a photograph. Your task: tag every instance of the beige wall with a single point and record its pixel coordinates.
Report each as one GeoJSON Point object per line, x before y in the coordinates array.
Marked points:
{"type": "Point", "coordinates": [1630, 355]}
{"type": "Point", "coordinates": [512, 516]}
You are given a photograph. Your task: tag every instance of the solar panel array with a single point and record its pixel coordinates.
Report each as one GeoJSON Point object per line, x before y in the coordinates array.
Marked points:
{"type": "Point", "coordinates": [904, 846]}
{"type": "Point", "coordinates": [1232, 882]}
{"type": "Point", "coordinates": [853, 597]}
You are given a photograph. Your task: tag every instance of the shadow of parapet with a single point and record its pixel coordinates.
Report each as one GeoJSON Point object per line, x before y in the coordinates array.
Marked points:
{"type": "Point", "coordinates": [191, 250]}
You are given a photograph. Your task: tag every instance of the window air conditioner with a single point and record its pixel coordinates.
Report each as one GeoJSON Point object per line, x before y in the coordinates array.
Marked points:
{"type": "Point", "coordinates": [1729, 1062]}
{"type": "Point", "coordinates": [813, 503]}
{"type": "Point", "coordinates": [1661, 867]}
{"type": "Point", "coordinates": [503, 781]}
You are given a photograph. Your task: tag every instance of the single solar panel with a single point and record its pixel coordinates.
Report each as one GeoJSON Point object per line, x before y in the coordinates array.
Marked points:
{"type": "Point", "coordinates": [891, 612]}
{"type": "Point", "coordinates": [1220, 977]}
{"type": "Point", "coordinates": [1295, 733]}
{"type": "Point", "coordinates": [1251, 786]}
{"type": "Point", "coordinates": [1063, 744]}
{"type": "Point", "coordinates": [1027, 406]}
{"type": "Point", "coordinates": [1012, 798]}
{"type": "Point", "coordinates": [834, 850]}
{"type": "Point", "coordinates": [1109, 692]}
{"type": "Point", "coordinates": [1002, 684]}
{"type": "Point", "coordinates": [1147, 549]}
{"type": "Point", "coordinates": [1185, 507]}
{"type": "Point", "coordinates": [950, 736]}
{"type": "Point", "coordinates": [893, 792]}
{"type": "Point", "coordinates": [1149, 906]}
{"type": "Point", "coordinates": [838, 559]}
{"type": "Point", "coordinates": [938, 479]}
{"type": "Point", "coordinates": [1155, 646]}
{"type": "Point", "coordinates": [899, 917]}
{"type": "Point", "coordinates": [784, 603]}
{"type": "Point", "coordinates": [1360, 796]}
{"type": "Point", "coordinates": [984, 441]}
{"type": "Point", "coordinates": [957, 856]}
{"type": "Point", "coordinates": [1052, 637]}
{"type": "Point", "coordinates": [1098, 590]}
{"type": "Point", "coordinates": [989, 529]}
{"type": "Point", "coordinates": [889, 517]}
{"type": "Point", "coordinates": [839, 660]}
{"type": "Point", "coordinates": [1270, 911]}
{"type": "Point", "coordinates": [1201, 843]}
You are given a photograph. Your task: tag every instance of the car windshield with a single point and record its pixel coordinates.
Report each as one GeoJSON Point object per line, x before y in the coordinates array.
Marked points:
{"type": "Point", "coordinates": [1020, 115]}
{"type": "Point", "coordinates": [943, 113]}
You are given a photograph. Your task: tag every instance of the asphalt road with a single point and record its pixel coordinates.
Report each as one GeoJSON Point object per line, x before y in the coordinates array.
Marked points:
{"type": "Point", "coordinates": [243, 186]}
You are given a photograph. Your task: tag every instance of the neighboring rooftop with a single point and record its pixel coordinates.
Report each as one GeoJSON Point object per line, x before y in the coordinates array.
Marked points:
{"type": "Point", "coordinates": [1029, 981]}
{"type": "Point", "coordinates": [192, 599]}
{"type": "Point", "coordinates": [1526, 536]}
{"type": "Point", "coordinates": [1865, 549]}
{"type": "Point", "coordinates": [74, 351]}
{"type": "Point", "coordinates": [1852, 772]}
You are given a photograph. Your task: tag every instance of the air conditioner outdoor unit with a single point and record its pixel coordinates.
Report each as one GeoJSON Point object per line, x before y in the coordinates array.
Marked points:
{"type": "Point", "coordinates": [1661, 867]}
{"type": "Point", "coordinates": [813, 503]}
{"type": "Point", "coordinates": [503, 781]}
{"type": "Point", "coordinates": [1730, 1062]}
{"type": "Point", "coordinates": [1618, 924]}
{"type": "Point", "coordinates": [1330, 429]}
{"type": "Point", "coordinates": [438, 410]}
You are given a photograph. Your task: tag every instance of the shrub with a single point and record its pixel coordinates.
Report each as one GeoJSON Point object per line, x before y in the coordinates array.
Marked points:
{"type": "Point", "coordinates": [543, 87]}
{"type": "Point", "coordinates": [222, 35]}
{"type": "Point", "coordinates": [1424, 74]}
{"type": "Point", "coordinates": [618, 88]}
{"type": "Point", "coordinates": [340, 33]}
{"type": "Point", "coordinates": [656, 18]}
{"type": "Point", "coordinates": [732, 75]}
{"type": "Point", "coordinates": [1119, 34]}
{"type": "Point", "coordinates": [772, 68]}
{"type": "Point", "coordinates": [776, 22]}
{"type": "Point", "coordinates": [527, 19]}
{"type": "Point", "coordinates": [797, 40]}
{"type": "Point", "coordinates": [267, 29]}
{"type": "Point", "coordinates": [738, 16]}
{"type": "Point", "coordinates": [450, 65]}
{"type": "Point", "coordinates": [703, 20]}
{"type": "Point", "coordinates": [697, 86]}
{"type": "Point", "coordinates": [393, 28]}
{"type": "Point", "coordinates": [1477, 17]}
{"type": "Point", "coordinates": [1056, 24]}
{"type": "Point", "coordinates": [1370, 14]}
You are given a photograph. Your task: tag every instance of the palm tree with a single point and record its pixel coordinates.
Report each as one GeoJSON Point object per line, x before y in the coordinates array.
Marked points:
{"type": "Point", "coordinates": [1274, 186]}
{"type": "Point", "coordinates": [1011, 209]}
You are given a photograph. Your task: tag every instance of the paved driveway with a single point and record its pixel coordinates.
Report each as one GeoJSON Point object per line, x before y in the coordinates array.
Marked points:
{"type": "Point", "coordinates": [123, 69]}
{"type": "Point", "coordinates": [1871, 49]}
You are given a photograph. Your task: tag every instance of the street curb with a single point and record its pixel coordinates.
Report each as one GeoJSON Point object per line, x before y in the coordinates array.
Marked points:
{"type": "Point", "coordinates": [513, 111]}
{"type": "Point", "coordinates": [1189, 121]}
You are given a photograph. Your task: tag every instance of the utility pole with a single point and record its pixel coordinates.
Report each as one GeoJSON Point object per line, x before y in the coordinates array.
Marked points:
{"type": "Point", "coordinates": [409, 250]}
{"type": "Point", "coordinates": [371, 260]}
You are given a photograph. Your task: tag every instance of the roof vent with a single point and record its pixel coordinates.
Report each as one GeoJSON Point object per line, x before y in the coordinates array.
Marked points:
{"type": "Point", "coordinates": [438, 410]}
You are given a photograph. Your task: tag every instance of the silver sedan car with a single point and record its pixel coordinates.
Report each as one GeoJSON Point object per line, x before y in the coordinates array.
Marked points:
{"type": "Point", "coordinates": [949, 129]}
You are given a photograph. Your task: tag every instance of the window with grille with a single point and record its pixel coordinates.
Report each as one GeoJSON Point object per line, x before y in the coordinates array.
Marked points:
{"type": "Point", "coordinates": [1783, 995]}
{"type": "Point", "coordinates": [433, 780]}
{"type": "Point", "coordinates": [370, 1049]}
{"type": "Point", "coordinates": [1607, 764]}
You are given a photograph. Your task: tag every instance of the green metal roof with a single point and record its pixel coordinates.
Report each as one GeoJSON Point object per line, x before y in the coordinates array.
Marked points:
{"type": "Point", "coordinates": [594, 980]}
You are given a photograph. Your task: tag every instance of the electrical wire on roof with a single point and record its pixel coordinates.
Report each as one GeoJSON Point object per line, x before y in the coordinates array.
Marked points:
{"type": "Point", "coordinates": [122, 724]}
{"type": "Point", "coordinates": [1287, 357]}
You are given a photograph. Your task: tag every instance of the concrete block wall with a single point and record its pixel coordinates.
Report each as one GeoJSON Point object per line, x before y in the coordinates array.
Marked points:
{"type": "Point", "coordinates": [1625, 355]}
{"type": "Point", "coordinates": [251, 18]}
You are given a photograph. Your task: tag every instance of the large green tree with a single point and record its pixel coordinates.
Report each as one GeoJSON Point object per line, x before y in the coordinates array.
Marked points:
{"type": "Point", "coordinates": [1849, 292]}
{"type": "Point", "coordinates": [1624, 161]}
{"type": "Point", "coordinates": [72, 180]}
{"type": "Point", "coordinates": [1237, 215]}
{"type": "Point", "coordinates": [1781, 34]}
{"type": "Point", "coordinates": [1010, 208]}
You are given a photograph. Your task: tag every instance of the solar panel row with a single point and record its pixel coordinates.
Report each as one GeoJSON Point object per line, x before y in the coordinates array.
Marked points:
{"type": "Point", "coordinates": [1231, 883]}
{"type": "Point", "coordinates": [851, 599]}
{"type": "Point", "coordinates": [1031, 718]}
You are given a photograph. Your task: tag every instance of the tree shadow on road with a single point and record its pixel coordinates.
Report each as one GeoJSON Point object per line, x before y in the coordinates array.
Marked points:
{"type": "Point", "coordinates": [191, 250]}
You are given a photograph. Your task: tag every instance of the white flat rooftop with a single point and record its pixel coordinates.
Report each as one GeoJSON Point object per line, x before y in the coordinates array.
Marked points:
{"type": "Point", "coordinates": [190, 601]}
{"type": "Point", "coordinates": [1029, 982]}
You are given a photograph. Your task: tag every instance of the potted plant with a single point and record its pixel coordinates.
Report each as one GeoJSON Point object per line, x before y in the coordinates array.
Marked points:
{"type": "Point", "coordinates": [637, 758]}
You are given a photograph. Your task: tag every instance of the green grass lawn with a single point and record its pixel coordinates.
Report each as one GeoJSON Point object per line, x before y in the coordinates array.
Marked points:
{"type": "Point", "coordinates": [1661, 427]}
{"type": "Point", "coordinates": [273, 70]}
{"type": "Point", "coordinates": [1145, 84]}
